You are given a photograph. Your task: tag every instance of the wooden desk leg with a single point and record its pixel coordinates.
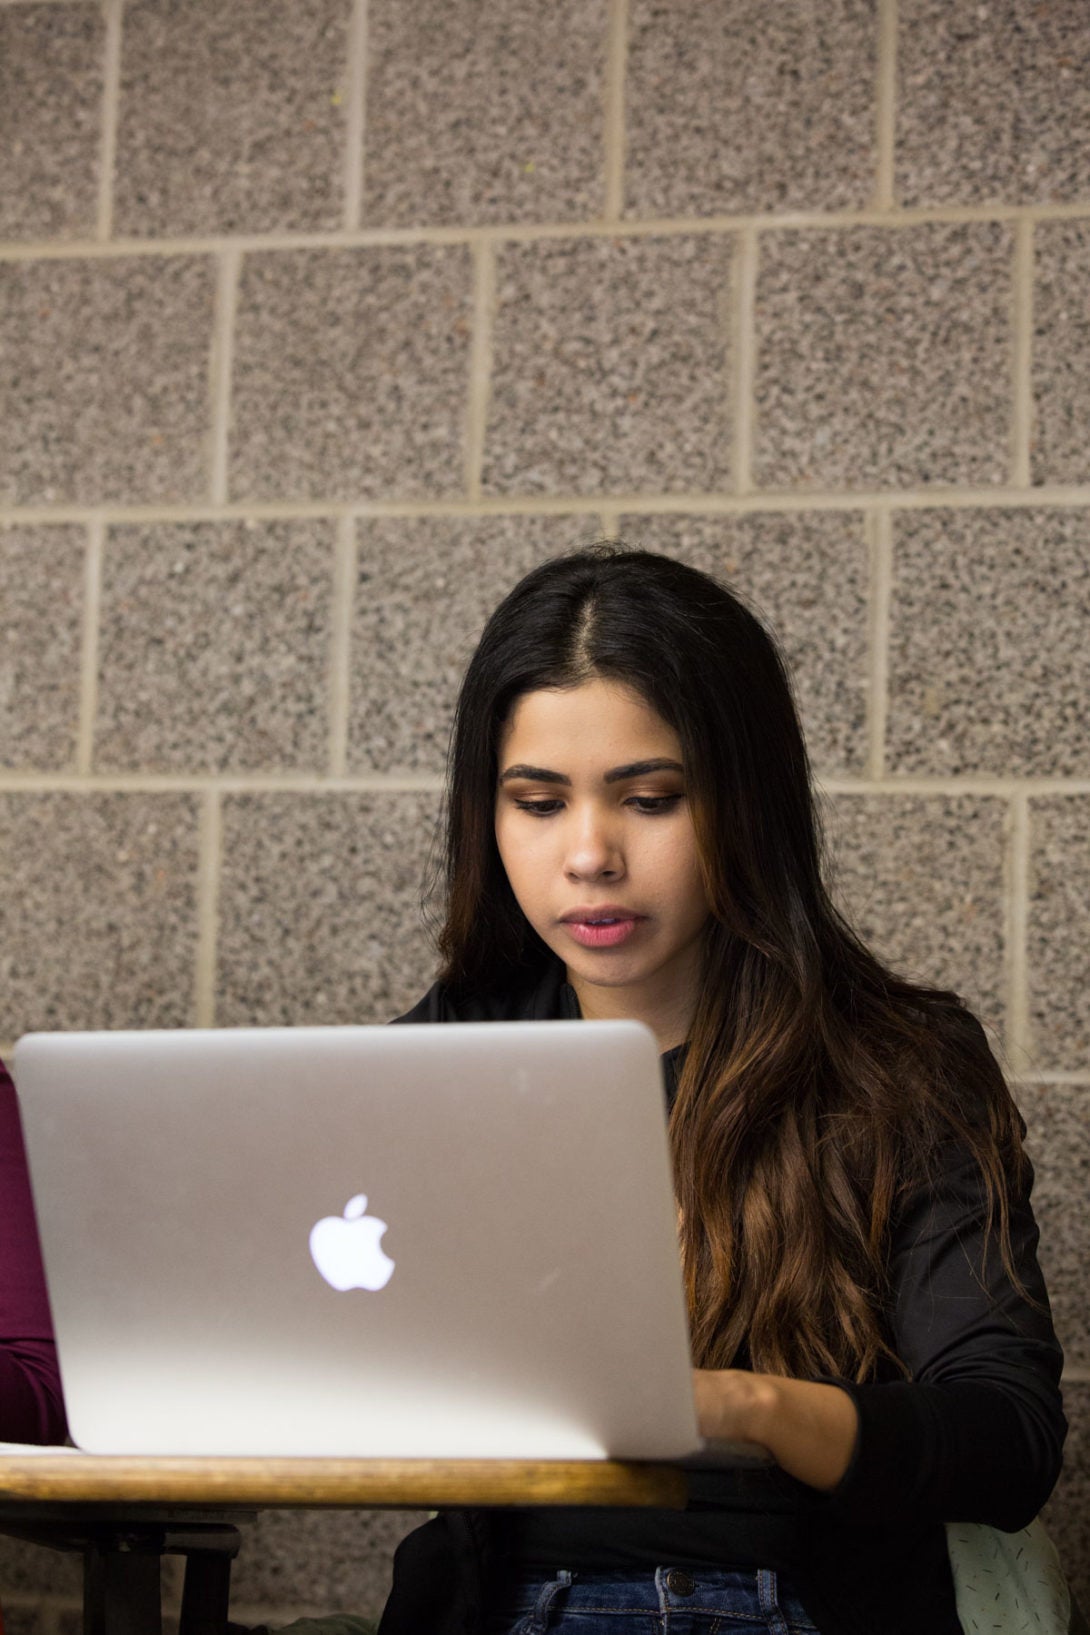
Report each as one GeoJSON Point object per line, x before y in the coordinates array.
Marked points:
{"type": "Point", "coordinates": [121, 1591]}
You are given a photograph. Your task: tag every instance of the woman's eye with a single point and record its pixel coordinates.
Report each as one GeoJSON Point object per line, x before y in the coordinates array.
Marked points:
{"type": "Point", "coordinates": [651, 804]}
{"type": "Point", "coordinates": [539, 808]}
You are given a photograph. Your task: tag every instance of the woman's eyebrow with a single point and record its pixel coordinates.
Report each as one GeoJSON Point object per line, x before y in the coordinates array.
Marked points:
{"type": "Point", "coordinates": [616, 774]}
{"type": "Point", "coordinates": [534, 774]}
{"type": "Point", "coordinates": [640, 769]}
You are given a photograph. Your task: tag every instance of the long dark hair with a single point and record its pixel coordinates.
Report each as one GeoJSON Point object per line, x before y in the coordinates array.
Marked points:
{"type": "Point", "coordinates": [816, 1083]}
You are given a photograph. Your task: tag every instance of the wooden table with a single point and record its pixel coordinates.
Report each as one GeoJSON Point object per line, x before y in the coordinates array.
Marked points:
{"type": "Point", "coordinates": [123, 1514]}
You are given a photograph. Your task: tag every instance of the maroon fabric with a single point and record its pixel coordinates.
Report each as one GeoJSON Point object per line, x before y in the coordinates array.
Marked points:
{"type": "Point", "coordinates": [31, 1404]}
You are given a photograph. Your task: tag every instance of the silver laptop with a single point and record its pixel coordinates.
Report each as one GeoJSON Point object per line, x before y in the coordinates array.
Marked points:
{"type": "Point", "coordinates": [436, 1242]}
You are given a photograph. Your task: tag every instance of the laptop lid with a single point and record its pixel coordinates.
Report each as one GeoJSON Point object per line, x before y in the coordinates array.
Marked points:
{"type": "Point", "coordinates": [436, 1242]}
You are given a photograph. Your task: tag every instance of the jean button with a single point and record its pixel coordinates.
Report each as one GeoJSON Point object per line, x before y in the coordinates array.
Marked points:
{"type": "Point", "coordinates": [679, 1583]}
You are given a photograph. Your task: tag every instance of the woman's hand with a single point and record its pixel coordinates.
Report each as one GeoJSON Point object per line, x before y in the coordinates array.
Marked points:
{"type": "Point", "coordinates": [809, 1429]}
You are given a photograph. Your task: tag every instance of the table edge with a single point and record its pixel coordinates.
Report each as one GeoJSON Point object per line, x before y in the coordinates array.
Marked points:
{"type": "Point", "coordinates": [413, 1484]}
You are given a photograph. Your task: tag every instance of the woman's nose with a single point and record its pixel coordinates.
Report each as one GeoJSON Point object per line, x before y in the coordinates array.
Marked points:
{"type": "Point", "coordinates": [593, 852]}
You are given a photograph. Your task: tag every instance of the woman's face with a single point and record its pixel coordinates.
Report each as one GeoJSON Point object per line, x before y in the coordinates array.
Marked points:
{"type": "Point", "coordinates": [595, 832]}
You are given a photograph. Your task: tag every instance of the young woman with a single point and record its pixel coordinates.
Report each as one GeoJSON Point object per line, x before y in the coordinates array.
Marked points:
{"type": "Point", "coordinates": [31, 1406]}
{"type": "Point", "coordinates": [631, 833]}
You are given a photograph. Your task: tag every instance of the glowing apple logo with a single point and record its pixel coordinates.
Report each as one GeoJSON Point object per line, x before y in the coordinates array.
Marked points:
{"type": "Point", "coordinates": [346, 1248]}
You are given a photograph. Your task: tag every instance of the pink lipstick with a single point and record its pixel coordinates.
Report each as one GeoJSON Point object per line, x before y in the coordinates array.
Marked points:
{"type": "Point", "coordinates": [605, 927]}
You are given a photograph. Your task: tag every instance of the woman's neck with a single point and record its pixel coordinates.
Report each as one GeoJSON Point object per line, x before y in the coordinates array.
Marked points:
{"type": "Point", "coordinates": [669, 1015]}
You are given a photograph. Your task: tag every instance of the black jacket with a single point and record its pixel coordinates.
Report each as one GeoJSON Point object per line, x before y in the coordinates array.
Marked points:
{"type": "Point", "coordinates": [975, 1435]}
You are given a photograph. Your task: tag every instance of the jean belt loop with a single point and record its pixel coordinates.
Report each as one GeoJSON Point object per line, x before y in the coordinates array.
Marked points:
{"type": "Point", "coordinates": [539, 1618]}
{"type": "Point", "coordinates": [767, 1591]}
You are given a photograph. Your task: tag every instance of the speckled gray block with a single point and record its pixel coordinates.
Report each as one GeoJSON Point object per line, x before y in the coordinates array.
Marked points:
{"type": "Point", "coordinates": [296, 1562]}
{"type": "Point", "coordinates": [320, 907]}
{"type": "Point", "coordinates": [1061, 351]}
{"type": "Point", "coordinates": [921, 877]}
{"type": "Point", "coordinates": [30, 1569]}
{"type": "Point", "coordinates": [28, 1618]}
{"type": "Point", "coordinates": [883, 358]}
{"type": "Point", "coordinates": [1058, 1141]}
{"type": "Point", "coordinates": [41, 616]}
{"type": "Point", "coordinates": [484, 113]}
{"type": "Point", "coordinates": [993, 102]}
{"type": "Point", "coordinates": [111, 360]}
{"type": "Point", "coordinates": [1067, 1513]}
{"type": "Point", "coordinates": [424, 588]}
{"type": "Point", "coordinates": [735, 105]}
{"type": "Point", "coordinates": [231, 117]}
{"type": "Point", "coordinates": [97, 910]}
{"type": "Point", "coordinates": [1058, 935]}
{"type": "Point", "coordinates": [610, 367]}
{"type": "Point", "coordinates": [351, 374]}
{"type": "Point", "coordinates": [214, 647]}
{"type": "Point", "coordinates": [806, 577]}
{"type": "Point", "coordinates": [50, 110]}
{"type": "Point", "coordinates": [989, 648]}
{"type": "Point", "coordinates": [68, 1620]}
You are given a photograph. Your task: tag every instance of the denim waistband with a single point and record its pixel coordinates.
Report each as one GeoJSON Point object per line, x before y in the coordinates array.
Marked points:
{"type": "Point", "coordinates": [766, 1597]}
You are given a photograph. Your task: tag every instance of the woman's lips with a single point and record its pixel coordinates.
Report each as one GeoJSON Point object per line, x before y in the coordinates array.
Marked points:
{"type": "Point", "coordinates": [601, 930]}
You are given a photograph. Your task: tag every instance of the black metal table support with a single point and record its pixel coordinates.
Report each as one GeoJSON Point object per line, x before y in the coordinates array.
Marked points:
{"type": "Point", "coordinates": [206, 1593]}
{"type": "Point", "coordinates": [122, 1559]}
{"type": "Point", "coordinates": [121, 1589]}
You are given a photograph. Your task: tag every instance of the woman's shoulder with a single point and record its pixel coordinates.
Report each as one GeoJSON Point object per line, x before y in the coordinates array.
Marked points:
{"type": "Point", "coordinates": [932, 1043]}
{"type": "Point", "coordinates": [444, 1004]}
{"type": "Point", "coordinates": [961, 1128]}
{"type": "Point", "coordinates": [519, 997]}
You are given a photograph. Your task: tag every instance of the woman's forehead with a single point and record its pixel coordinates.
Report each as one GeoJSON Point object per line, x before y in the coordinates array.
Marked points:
{"type": "Point", "coordinates": [599, 721]}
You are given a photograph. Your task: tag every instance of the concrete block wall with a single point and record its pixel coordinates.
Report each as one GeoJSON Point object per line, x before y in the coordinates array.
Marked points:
{"type": "Point", "coordinates": [322, 320]}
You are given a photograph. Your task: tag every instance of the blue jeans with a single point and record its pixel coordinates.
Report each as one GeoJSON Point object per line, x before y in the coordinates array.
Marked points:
{"type": "Point", "coordinates": [667, 1601]}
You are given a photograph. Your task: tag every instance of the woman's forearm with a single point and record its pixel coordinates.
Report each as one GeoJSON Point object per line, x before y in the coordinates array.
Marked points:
{"type": "Point", "coordinates": [809, 1429]}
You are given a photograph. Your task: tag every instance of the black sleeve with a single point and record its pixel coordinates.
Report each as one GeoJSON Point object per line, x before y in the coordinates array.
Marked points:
{"type": "Point", "coordinates": [977, 1433]}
